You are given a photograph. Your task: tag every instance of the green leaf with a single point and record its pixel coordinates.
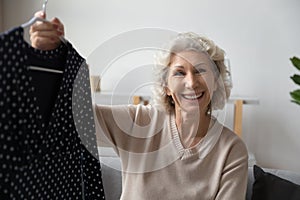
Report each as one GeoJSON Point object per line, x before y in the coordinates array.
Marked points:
{"type": "Point", "coordinates": [295, 95]}
{"type": "Point", "coordinates": [297, 102]}
{"type": "Point", "coordinates": [296, 79]}
{"type": "Point", "coordinates": [296, 62]}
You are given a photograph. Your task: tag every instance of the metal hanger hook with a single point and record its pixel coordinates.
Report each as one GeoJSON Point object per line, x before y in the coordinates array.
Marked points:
{"type": "Point", "coordinates": [44, 6]}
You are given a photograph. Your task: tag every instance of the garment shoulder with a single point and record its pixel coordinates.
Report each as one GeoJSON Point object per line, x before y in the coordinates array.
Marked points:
{"type": "Point", "coordinates": [18, 31]}
{"type": "Point", "coordinates": [229, 135]}
{"type": "Point", "coordinates": [232, 141]}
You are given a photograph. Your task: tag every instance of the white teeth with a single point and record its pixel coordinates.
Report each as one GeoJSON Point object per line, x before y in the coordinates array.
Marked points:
{"type": "Point", "coordinates": [192, 97]}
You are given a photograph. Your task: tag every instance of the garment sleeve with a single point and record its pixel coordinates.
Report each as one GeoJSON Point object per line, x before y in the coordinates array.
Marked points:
{"type": "Point", "coordinates": [233, 183]}
{"type": "Point", "coordinates": [126, 127]}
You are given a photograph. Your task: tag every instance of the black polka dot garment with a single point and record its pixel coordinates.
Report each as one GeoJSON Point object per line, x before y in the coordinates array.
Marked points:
{"type": "Point", "coordinates": [55, 160]}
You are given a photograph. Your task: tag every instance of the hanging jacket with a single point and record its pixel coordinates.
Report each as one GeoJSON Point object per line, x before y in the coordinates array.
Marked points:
{"type": "Point", "coordinates": [52, 155]}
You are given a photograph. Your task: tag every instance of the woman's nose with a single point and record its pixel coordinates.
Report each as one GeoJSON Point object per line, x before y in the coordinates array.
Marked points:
{"type": "Point", "coordinates": [191, 81]}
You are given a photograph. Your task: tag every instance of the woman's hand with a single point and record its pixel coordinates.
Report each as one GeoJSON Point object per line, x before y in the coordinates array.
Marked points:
{"type": "Point", "coordinates": [46, 35]}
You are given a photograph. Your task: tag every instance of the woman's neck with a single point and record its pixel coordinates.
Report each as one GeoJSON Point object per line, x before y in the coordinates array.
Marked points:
{"type": "Point", "coordinates": [192, 126]}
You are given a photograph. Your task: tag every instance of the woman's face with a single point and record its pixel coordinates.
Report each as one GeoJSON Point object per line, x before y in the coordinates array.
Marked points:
{"type": "Point", "coordinates": [191, 81]}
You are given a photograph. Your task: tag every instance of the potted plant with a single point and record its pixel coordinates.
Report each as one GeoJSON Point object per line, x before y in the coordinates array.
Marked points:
{"type": "Point", "coordinates": [296, 78]}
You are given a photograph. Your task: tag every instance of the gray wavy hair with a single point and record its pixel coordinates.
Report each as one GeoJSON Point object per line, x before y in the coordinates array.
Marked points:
{"type": "Point", "coordinates": [191, 42]}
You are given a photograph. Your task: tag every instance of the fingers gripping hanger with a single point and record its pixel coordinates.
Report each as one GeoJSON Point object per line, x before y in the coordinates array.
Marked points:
{"type": "Point", "coordinates": [31, 22]}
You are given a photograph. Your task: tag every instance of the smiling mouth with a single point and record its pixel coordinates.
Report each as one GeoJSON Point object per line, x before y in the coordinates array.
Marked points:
{"type": "Point", "coordinates": [193, 96]}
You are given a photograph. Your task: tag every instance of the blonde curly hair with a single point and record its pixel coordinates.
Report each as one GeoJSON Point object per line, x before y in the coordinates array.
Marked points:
{"type": "Point", "coordinates": [191, 42]}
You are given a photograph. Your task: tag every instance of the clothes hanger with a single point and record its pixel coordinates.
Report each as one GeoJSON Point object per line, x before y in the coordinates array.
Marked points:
{"type": "Point", "coordinates": [35, 19]}
{"type": "Point", "coordinates": [31, 22]}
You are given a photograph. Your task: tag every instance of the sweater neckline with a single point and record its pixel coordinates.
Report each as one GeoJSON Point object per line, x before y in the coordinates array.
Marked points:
{"type": "Point", "coordinates": [203, 147]}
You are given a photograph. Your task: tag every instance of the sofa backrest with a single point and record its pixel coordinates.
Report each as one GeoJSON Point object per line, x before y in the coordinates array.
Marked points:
{"type": "Point", "coordinates": [287, 175]}
{"type": "Point", "coordinates": [111, 177]}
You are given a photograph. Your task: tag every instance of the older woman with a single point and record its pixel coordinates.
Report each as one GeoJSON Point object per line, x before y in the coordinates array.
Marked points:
{"type": "Point", "coordinates": [175, 149]}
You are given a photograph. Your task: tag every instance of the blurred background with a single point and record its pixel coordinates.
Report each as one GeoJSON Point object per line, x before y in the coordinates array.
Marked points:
{"type": "Point", "coordinates": [259, 37]}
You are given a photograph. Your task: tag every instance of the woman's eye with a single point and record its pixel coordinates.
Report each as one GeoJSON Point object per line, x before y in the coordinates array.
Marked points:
{"type": "Point", "coordinates": [200, 71]}
{"type": "Point", "coordinates": [178, 73]}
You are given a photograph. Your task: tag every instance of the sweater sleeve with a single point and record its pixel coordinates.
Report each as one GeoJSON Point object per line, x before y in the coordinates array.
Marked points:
{"type": "Point", "coordinates": [128, 127]}
{"type": "Point", "coordinates": [233, 183]}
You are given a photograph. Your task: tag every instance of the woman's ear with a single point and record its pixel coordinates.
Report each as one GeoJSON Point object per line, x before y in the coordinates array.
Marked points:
{"type": "Point", "coordinates": [167, 91]}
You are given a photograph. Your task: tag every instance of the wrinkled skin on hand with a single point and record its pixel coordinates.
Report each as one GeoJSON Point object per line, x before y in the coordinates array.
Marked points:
{"type": "Point", "coordinates": [46, 35]}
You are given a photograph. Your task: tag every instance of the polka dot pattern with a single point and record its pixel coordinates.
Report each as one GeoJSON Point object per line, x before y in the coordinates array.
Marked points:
{"type": "Point", "coordinates": [57, 160]}
{"type": "Point", "coordinates": [82, 111]}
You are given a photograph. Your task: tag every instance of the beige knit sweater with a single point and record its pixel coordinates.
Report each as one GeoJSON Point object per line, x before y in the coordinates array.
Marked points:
{"type": "Point", "coordinates": [155, 165]}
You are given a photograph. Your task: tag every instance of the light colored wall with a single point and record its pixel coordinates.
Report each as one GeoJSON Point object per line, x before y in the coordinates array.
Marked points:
{"type": "Point", "coordinates": [1, 16]}
{"type": "Point", "coordinates": [258, 36]}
